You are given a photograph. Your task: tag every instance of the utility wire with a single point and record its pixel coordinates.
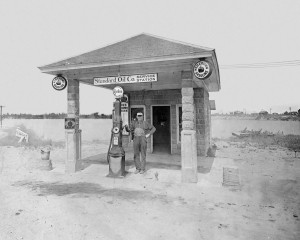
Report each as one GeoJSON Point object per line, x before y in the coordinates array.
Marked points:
{"type": "Point", "coordinates": [263, 65]}
{"type": "Point", "coordinates": [281, 62]}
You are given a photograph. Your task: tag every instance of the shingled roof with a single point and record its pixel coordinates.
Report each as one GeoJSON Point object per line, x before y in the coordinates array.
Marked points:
{"type": "Point", "coordinates": [138, 48]}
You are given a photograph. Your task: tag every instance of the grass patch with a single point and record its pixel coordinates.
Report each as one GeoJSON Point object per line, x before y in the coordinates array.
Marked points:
{"type": "Point", "coordinates": [290, 141]}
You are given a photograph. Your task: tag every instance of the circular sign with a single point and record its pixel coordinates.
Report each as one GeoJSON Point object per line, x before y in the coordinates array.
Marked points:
{"type": "Point", "coordinates": [202, 70]}
{"type": "Point", "coordinates": [118, 92]}
{"type": "Point", "coordinates": [116, 130]}
{"type": "Point", "coordinates": [59, 83]}
{"type": "Point", "coordinates": [70, 123]}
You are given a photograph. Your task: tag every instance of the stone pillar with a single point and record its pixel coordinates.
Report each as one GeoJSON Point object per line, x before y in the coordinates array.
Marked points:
{"type": "Point", "coordinates": [201, 100]}
{"type": "Point", "coordinates": [188, 133]}
{"type": "Point", "coordinates": [73, 136]}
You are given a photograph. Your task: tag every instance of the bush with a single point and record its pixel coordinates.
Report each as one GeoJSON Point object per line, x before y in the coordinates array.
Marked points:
{"type": "Point", "coordinates": [289, 141]}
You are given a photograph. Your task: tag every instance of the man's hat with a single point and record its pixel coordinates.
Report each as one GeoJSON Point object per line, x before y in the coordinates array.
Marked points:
{"type": "Point", "coordinates": [139, 114]}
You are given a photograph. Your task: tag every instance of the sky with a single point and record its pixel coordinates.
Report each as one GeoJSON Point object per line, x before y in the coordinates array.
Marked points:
{"type": "Point", "coordinates": [35, 33]}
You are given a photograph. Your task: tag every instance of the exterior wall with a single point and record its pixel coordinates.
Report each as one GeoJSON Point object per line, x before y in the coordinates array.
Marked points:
{"type": "Point", "coordinates": [203, 121]}
{"type": "Point", "coordinates": [159, 97]}
{"type": "Point", "coordinates": [172, 97]}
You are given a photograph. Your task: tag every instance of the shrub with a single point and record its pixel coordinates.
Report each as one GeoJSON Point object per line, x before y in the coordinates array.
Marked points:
{"type": "Point", "coordinates": [289, 141]}
{"type": "Point", "coordinates": [292, 142]}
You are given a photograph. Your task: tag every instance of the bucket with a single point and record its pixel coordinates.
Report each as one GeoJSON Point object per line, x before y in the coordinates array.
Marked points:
{"type": "Point", "coordinates": [45, 154]}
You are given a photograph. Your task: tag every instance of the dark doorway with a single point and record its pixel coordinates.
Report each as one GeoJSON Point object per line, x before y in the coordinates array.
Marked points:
{"type": "Point", "coordinates": [162, 136]}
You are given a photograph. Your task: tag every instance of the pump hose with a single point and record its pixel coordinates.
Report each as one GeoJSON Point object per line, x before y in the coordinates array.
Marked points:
{"type": "Point", "coordinates": [111, 137]}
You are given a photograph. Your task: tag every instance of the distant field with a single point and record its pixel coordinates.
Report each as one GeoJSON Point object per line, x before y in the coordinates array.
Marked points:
{"type": "Point", "coordinates": [99, 129]}
{"type": "Point", "coordinates": [92, 129]}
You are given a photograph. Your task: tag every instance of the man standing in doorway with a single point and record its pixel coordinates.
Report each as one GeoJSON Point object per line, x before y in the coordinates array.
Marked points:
{"type": "Point", "coordinates": [141, 131]}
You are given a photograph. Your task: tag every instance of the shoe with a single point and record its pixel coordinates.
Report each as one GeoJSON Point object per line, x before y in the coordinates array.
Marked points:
{"type": "Point", "coordinates": [142, 171]}
{"type": "Point", "coordinates": [137, 171]}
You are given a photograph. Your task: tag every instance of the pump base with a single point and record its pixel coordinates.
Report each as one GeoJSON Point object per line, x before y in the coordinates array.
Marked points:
{"type": "Point", "coordinates": [115, 176]}
{"type": "Point", "coordinates": [116, 167]}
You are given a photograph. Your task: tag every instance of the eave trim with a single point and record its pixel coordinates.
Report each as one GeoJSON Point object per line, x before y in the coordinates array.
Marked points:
{"type": "Point", "coordinates": [115, 63]}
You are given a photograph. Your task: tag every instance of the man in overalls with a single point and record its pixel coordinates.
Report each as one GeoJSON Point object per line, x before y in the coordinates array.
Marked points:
{"type": "Point", "coordinates": [142, 131]}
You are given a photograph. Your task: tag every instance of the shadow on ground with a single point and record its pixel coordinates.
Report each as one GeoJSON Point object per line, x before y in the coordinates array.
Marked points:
{"type": "Point", "coordinates": [86, 189]}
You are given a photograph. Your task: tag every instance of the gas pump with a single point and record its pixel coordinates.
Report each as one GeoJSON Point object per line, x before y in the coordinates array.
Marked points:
{"type": "Point", "coordinates": [116, 153]}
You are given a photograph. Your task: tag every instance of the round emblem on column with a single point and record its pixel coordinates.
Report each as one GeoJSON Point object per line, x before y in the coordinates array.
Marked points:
{"type": "Point", "coordinates": [70, 123]}
{"type": "Point", "coordinates": [202, 70]}
{"type": "Point", "coordinates": [59, 83]}
{"type": "Point", "coordinates": [116, 130]}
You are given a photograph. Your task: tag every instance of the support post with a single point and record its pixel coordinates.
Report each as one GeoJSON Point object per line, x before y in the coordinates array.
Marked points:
{"type": "Point", "coordinates": [188, 133]}
{"type": "Point", "coordinates": [1, 114]}
{"type": "Point", "coordinates": [73, 136]}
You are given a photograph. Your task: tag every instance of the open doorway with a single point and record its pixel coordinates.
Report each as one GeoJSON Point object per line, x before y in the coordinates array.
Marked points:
{"type": "Point", "coordinates": [162, 136]}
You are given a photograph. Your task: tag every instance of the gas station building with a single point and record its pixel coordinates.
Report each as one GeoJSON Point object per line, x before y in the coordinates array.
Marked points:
{"type": "Point", "coordinates": [169, 81]}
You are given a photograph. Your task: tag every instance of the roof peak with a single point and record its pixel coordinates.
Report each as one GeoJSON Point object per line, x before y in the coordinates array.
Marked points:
{"type": "Point", "coordinates": [175, 41]}
{"type": "Point", "coordinates": [137, 47]}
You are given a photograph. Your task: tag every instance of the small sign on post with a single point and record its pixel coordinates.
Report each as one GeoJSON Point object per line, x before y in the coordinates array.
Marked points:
{"type": "Point", "coordinates": [22, 135]}
{"type": "Point", "coordinates": [70, 123]}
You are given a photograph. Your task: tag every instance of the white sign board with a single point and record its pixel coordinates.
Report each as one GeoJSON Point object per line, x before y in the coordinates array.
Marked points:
{"type": "Point", "coordinates": [124, 116]}
{"type": "Point", "coordinates": [142, 78]}
{"type": "Point", "coordinates": [21, 135]}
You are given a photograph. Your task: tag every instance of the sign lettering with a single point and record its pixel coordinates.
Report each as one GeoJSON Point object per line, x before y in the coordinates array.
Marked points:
{"type": "Point", "coordinates": [151, 77]}
{"type": "Point", "coordinates": [59, 83]}
{"type": "Point", "coordinates": [202, 70]}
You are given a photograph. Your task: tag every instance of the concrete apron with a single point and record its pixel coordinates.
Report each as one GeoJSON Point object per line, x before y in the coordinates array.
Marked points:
{"type": "Point", "coordinates": [210, 170]}
{"type": "Point", "coordinates": [164, 168]}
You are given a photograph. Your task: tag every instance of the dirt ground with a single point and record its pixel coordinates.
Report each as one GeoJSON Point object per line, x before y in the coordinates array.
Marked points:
{"type": "Point", "coordinates": [39, 204]}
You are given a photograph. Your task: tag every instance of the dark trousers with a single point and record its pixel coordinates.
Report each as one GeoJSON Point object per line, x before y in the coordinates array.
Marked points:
{"type": "Point", "coordinates": [140, 147]}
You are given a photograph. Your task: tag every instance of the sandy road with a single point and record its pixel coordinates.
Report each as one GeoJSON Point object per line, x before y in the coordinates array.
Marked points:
{"type": "Point", "coordinates": [87, 205]}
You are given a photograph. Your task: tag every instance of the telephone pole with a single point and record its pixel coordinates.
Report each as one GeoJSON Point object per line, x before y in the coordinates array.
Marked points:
{"type": "Point", "coordinates": [1, 114]}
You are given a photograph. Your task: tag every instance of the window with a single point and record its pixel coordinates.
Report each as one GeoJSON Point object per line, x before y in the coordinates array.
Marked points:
{"type": "Point", "coordinates": [135, 109]}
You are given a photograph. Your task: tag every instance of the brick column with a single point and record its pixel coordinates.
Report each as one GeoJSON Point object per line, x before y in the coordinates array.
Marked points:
{"type": "Point", "coordinates": [201, 99]}
{"type": "Point", "coordinates": [188, 134]}
{"type": "Point", "coordinates": [73, 136]}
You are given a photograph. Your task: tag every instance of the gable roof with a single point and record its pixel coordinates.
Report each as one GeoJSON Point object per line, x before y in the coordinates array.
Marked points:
{"type": "Point", "coordinates": [138, 48]}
